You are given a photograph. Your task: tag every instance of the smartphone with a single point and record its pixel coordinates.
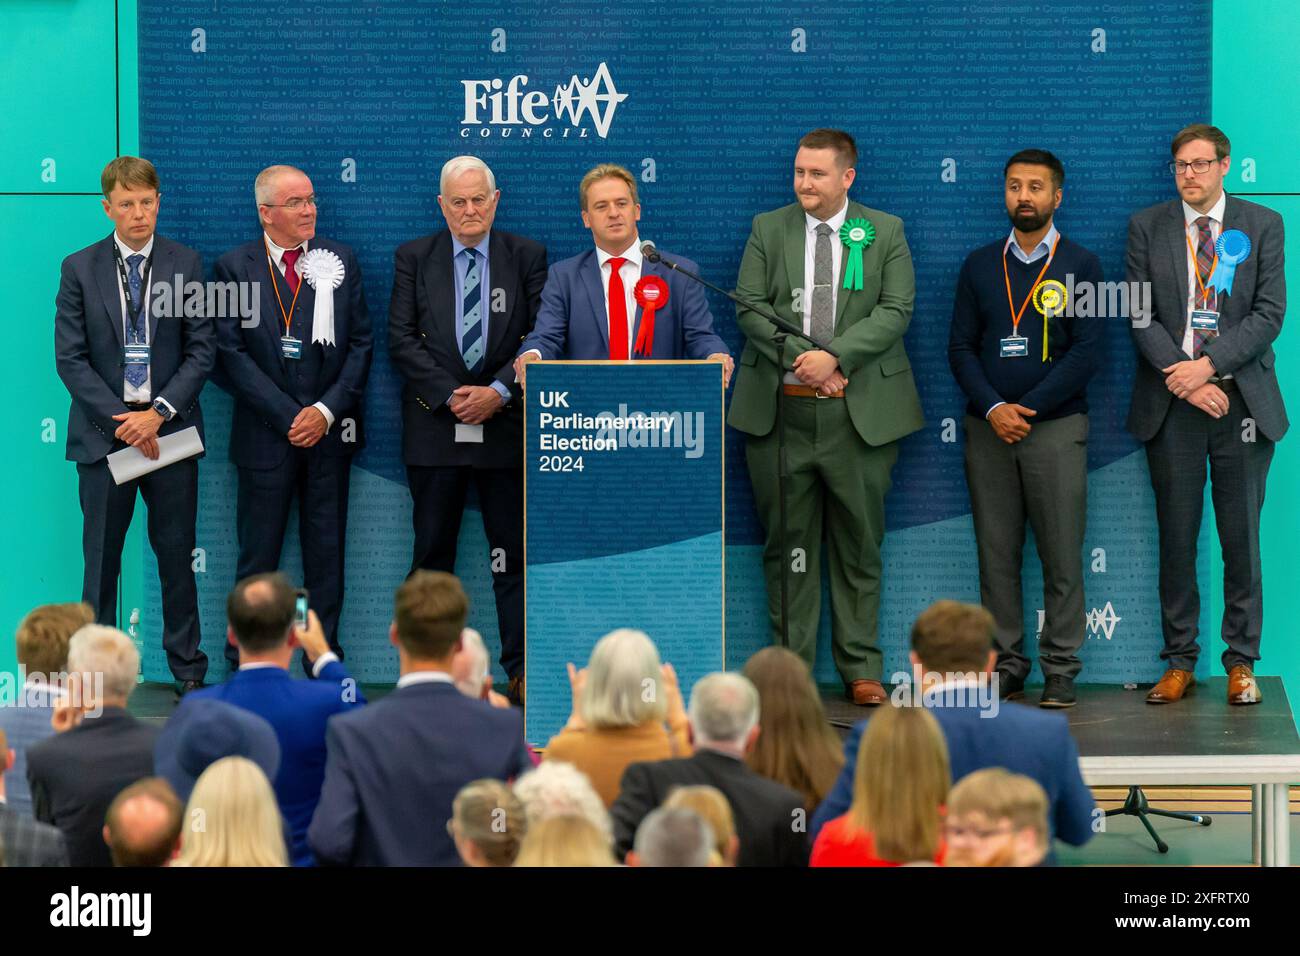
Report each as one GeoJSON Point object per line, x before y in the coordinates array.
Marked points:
{"type": "Point", "coordinates": [300, 609]}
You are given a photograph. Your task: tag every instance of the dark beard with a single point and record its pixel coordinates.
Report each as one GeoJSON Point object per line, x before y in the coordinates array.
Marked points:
{"type": "Point", "coordinates": [1027, 221]}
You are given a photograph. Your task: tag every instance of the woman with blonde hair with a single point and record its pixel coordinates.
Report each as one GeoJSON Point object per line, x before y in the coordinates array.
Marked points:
{"type": "Point", "coordinates": [627, 708]}
{"type": "Point", "coordinates": [797, 747]}
{"type": "Point", "coordinates": [565, 841]}
{"type": "Point", "coordinates": [232, 819]}
{"type": "Point", "coordinates": [899, 789]}
{"type": "Point", "coordinates": [711, 805]}
{"type": "Point", "coordinates": [997, 818]}
{"type": "Point", "coordinates": [487, 824]}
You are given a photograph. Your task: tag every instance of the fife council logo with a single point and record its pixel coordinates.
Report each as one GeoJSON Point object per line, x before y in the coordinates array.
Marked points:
{"type": "Point", "coordinates": [506, 108]}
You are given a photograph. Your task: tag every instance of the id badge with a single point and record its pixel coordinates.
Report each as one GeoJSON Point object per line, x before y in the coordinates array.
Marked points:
{"type": "Point", "coordinates": [1205, 320]}
{"type": "Point", "coordinates": [290, 347]}
{"type": "Point", "coordinates": [137, 354]}
{"type": "Point", "coordinates": [1015, 346]}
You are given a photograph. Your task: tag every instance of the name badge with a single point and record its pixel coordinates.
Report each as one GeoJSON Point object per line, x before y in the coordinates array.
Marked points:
{"type": "Point", "coordinates": [137, 354]}
{"type": "Point", "coordinates": [469, 433]}
{"type": "Point", "coordinates": [290, 347]}
{"type": "Point", "coordinates": [1015, 346]}
{"type": "Point", "coordinates": [1205, 320]}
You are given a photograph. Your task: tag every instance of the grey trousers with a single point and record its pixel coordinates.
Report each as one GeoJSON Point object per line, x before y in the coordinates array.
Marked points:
{"type": "Point", "coordinates": [1043, 478]}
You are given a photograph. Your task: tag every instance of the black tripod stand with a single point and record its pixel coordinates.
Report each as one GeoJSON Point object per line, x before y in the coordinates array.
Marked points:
{"type": "Point", "coordinates": [1135, 805]}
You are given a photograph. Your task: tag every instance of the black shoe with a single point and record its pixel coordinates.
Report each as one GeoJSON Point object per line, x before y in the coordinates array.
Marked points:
{"type": "Point", "coordinates": [185, 686]}
{"type": "Point", "coordinates": [1058, 692]}
{"type": "Point", "coordinates": [1009, 687]}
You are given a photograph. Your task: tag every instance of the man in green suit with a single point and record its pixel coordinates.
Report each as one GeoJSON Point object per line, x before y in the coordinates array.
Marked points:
{"type": "Point", "coordinates": [843, 416]}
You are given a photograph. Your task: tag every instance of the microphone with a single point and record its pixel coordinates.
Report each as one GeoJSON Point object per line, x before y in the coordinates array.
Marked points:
{"type": "Point", "coordinates": [649, 251]}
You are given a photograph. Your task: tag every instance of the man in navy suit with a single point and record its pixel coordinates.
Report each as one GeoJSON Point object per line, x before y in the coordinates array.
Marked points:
{"type": "Point", "coordinates": [135, 375]}
{"type": "Point", "coordinates": [260, 612]}
{"type": "Point", "coordinates": [463, 300]}
{"type": "Point", "coordinates": [298, 383]}
{"type": "Point", "coordinates": [592, 303]}
{"type": "Point", "coordinates": [395, 767]}
{"type": "Point", "coordinates": [952, 647]}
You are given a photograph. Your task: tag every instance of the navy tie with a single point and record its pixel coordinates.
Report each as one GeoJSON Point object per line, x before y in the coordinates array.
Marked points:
{"type": "Point", "coordinates": [135, 374]}
{"type": "Point", "coordinates": [471, 340]}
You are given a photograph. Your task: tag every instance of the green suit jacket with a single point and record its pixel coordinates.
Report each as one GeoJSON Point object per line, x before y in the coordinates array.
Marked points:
{"type": "Point", "coordinates": [869, 325]}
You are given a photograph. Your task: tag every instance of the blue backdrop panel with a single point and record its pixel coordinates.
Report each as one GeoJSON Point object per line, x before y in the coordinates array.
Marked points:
{"type": "Point", "coordinates": [372, 98]}
{"type": "Point", "coordinates": [625, 533]}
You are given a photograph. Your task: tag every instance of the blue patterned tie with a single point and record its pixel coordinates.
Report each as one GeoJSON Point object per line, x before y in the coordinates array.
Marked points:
{"type": "Point", "coordinates": [471, 340]}
{"type": "Point", "coordinates": [135, 374]}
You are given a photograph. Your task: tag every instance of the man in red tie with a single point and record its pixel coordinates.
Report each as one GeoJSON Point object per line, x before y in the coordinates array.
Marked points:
{"type": "Point", "coordinates": [594, 305]}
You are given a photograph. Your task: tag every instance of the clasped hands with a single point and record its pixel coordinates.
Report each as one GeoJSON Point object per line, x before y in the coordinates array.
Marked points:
{"type": "Point", "coordinates": [1190, 381]}
{"type": "Point", "coordinates": [820, 370]}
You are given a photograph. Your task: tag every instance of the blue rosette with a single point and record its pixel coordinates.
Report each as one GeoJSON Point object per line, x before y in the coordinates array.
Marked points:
{"type": "Point", "coordinates": [1233, 247]}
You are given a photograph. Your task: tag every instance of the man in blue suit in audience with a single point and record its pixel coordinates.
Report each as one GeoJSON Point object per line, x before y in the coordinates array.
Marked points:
{"type": "Point", "coordinates": [952, 646]}
{"type": "Point", "coordinates": [395, 767]}
{"type": "Point", "coordinates": [593, 304]}
{"type": "Point", "coordinates": [260, 612]}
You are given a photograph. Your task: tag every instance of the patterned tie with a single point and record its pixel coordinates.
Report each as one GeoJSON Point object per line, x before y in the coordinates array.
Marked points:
{"type": "Point", "coordinates": [471, 340]}
{"type": "Point", "coordinates": [1204, 265]}
{"type": "Point", "coordinates": [617, 312]}
{"type": "Point", "coordinates": [823, 293]}
{"type": "Point", "coordinates": [290, 271]}
{"type": "Point", "coordinates": [135, 331]}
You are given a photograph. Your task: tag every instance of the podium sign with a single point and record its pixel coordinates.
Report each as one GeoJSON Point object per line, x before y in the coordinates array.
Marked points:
{"type": "Point", "coordinates": [623, 488]}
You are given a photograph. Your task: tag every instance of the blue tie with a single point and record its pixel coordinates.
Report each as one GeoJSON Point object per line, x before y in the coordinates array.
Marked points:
{"type": "Point", "coordinates": [471, 340]}
{"type": "Point", "coordinates": [135, 374]}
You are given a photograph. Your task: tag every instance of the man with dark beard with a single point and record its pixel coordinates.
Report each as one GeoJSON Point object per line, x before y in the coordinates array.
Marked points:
{"type": "Point", "coordinates": [1024, 360]}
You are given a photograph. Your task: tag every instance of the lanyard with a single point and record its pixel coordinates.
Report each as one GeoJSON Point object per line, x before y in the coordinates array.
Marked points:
{"type": "Point", "coordinates": [1196, 270]}
{"type": "Point", "coordinates": [133, 310]}
{"type": "Point", "coordinates": [1015, 315]}
{"type": "Point", "coordinates": [287, 316]}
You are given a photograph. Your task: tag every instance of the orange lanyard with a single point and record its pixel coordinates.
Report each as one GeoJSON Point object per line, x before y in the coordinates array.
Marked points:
{"type": "Point", "coordinates": [287, 316]}
{"type": "Point", "coordinates": [1016, 315]}
{"type": "Point", "coordinates": [1196, 270]}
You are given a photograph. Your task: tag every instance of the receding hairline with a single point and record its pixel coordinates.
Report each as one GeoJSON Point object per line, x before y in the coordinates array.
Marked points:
{"type": "Point", "coordinates": [268, 178]}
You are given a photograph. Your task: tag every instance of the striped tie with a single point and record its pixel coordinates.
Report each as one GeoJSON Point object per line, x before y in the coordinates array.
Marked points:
{"type": "Point", "coordinates": [471, 340]}
{"type": "Point", "coordinates": [135, 374]}
{"type": "Point", "coordinates": [1204, 266]}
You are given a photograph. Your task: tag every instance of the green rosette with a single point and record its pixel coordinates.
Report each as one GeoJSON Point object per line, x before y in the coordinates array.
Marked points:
{"type": "Point", "coordinates": [856, 234]}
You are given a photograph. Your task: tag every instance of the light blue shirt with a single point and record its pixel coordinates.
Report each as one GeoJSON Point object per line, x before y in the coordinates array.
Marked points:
{"type": "Point", "coordinates": [460, 264]}
{"type": "Point", "coordinates": [1043, 248]}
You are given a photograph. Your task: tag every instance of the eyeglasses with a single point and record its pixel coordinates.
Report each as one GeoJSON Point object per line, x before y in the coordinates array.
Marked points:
{"type": "Point", "coordinates": [1198, 166]}
{"type": "Point", "coordinates": [293, 204]}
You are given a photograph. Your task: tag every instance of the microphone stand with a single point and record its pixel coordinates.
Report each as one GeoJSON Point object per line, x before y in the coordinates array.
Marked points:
{"type": "Point", "coordinates": [783, 330]}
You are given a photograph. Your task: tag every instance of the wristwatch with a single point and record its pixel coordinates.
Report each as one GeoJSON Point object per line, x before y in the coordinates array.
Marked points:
{"type": "Point", "coordinates": [161, 408]}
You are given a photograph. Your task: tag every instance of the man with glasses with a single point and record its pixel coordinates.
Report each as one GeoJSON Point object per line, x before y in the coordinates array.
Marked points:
{"type": "Point", "coordinates": [298, 382]}
{"type": "Point", "coordinates": [1205, 391]}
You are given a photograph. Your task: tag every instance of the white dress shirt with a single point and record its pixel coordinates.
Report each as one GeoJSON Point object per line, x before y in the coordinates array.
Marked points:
{"type": "Point", "coordinates": [277, 256]}
{"type": "Point", "coordinates": [630, 272]}
{"type": "Point", "coordinates": [1190, 216]}
{"type": "Point", "coordinates": [424, 677]}
{"type": "Point", "coordinates": [130, 394]}
{"type": "Point", "coordinates": [809, 268]}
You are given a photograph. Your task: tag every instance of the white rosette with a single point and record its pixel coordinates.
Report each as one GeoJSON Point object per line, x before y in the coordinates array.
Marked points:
{"type": "Point", "coordinates": [323, 271]}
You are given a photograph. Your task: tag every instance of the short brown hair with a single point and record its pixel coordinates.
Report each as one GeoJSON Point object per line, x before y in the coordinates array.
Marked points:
{"type": "Point", "coordinates": [950, 637]}
{"type": "Point", "coordinates": [999, 794]}
{"type": "Point", "coordinates": [128, 172]}
{"type": "Point", "coordinates": [263, 625]}
{"type": "Point", "coordinates": [605, 171]}
{"type": "Point", "coordinates": [1212, 134]}
{"type": "Point", "coordinates": [846, 150]}
{"type": "Point", "coordinates": [161, 845]}
{"type": "Point", "coordinates": [430, 611]}
{"type": "Point", "coordinates": [43, 636]}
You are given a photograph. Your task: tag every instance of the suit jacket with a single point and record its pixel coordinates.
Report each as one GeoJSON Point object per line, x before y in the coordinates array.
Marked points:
{"type": "Point", "coordinates": [298, 711]}
{"type": "Point", "coordinates": [423, 347]}
{"type": "Point", "coordinates": [89, 338]}
{"type": "Point", "coordinates": [1022, 739]}
{"type": "Point", "coordinates": [765, 811]}
{"type": "Point", "coordinates": [572, 322]}
{"type": "Point", "coordinates": [1250, 318]}
{"type": "Point", "coordinates": [24, 842]}
{"type": "Point", "coordinates": [395, 767]}
{"type": "Point", "coordinates": [25, 726]}
{"type": "Point", "coordinates": [75, 775]}
{"type": "Point", "coordinates": [252, 366]}
{"type": "Point", "coordinates": [869, 325]}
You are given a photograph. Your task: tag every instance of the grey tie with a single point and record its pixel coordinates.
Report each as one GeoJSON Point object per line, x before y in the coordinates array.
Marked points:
{"type": "Point", "coordinates": [823, 293]}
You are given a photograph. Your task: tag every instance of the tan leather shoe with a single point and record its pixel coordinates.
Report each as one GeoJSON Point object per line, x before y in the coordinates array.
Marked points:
{"type": "Point", "coordinates": [1242, 688]}
{"type": "Point", "coordinates": [515, 691]}
{"type": "Point", "coordinates": [867, 693]}
{"type": "Point", "coordinates": [1171, 687]}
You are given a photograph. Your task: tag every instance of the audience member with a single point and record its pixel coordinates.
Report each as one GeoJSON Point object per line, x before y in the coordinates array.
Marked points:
{"type": "Point", "coordinates": [487, 824]}
{"type": "Point", "coordinates": [621, 700]}
{"type": "Point", "coordinates": [23, 841]}
{"type": "Point", "coordinates": [723, 718]}
{"type": "Point", "coordinates": [143, 825]}
{"type": "Point", "coordinates": [202, 732]}
{"type": "Point", "coordinates": [997, 818]}
{"type": "Point", "coordinates": [232, 819]}
{"type": "Point", "coordinates": [565, 841]}
{"type": "Point", "coordinates": [395, 767]}
{"type": "Point", "coordinates": [557, 789]}
{"type": "Point", "coordinates": [471, 670]}
{"type": "Point", "coordinates": [899, 789]}
{"type": "Point", "coordinates": [672, 837]}
{"type": "Point", "coordinates": [712, 806]}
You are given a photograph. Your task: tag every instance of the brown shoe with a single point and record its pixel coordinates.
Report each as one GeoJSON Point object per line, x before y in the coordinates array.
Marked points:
{"type": "Point", "coordinates": [1242, 688]}
{"type": "Point", "coordinates": [515, 690]}
{"type": "Point", "coordinates": [866, 693]}
{"type": "Point", "coordinates": [1171, 687]}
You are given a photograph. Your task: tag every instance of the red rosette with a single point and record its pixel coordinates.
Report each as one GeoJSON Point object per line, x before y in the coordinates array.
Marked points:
{"type": "Point", "coordinates": [651, 293]}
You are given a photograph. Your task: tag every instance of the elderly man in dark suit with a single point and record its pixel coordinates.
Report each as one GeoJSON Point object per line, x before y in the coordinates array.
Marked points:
{"type": "Point", "coordinates": [1205, 391]}
{"type": "Point", "coordinates": [463, 299]}
{"type": "Point", "coordinates": [298, 383]}
{"type": "Point", "coordinates": [135, 375]}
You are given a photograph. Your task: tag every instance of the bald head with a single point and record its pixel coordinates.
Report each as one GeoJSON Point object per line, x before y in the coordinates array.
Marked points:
{"type": "Point", "coordinates": [143, 825]}
{"type": "Point", "coordinates": [260, 611]}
